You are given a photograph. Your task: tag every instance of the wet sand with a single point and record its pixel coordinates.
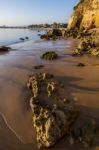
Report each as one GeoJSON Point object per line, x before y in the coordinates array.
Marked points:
{"type": "Point", "coordinates": [81, 83]}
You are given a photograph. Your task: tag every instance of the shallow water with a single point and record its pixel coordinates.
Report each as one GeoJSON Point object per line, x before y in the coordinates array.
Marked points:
{"type": "Point", "coordinates": [11, 36]}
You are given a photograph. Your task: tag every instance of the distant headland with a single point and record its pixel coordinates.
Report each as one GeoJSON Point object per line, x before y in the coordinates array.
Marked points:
{"type": "Point", "coordinates": [36, 26]}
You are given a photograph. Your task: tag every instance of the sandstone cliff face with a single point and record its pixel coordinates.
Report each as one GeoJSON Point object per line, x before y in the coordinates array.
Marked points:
{"type": "Point", "coordinates": [85, 15]}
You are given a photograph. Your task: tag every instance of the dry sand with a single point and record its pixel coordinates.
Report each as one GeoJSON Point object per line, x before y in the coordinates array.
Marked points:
{"type": "Point", "coordinates": [81, 83]}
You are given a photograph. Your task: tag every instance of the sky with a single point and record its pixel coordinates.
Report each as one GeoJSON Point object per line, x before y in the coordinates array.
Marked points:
{"type": "Point", "coordinates": [26, 12]}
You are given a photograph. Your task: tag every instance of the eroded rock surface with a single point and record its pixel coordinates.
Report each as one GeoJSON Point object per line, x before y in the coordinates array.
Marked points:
{"type": "Point", "coordinates": [84, 23]}
{"type": "Point", "coordinates": [89, 44]}
{"type": "Point", "coordinates": [53, 114]}
{"type": "Point", "coordinates": [85, 15]}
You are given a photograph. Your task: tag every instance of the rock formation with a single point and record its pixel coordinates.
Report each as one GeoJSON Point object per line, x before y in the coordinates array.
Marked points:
{"type": "Point", "coordinates": [4, 49]}
{"type": "Point", "coordinates": [53, 114]}
{"type": "Point", "coordinates": [85, 15]}
{"type": "Point", "coordinates": [84, 24]}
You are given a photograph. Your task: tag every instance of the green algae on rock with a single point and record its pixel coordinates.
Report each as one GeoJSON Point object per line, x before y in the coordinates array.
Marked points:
{"type": "Point", "coordinates": [51, 55]}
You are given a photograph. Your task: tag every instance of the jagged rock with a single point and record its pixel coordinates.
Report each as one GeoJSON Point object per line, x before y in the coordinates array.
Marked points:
{"type": "Point", "coordinates": [44, 36]}
{"type": "Point", "coordinates": [33, 84]}
{"type": "Point", "coordinates": [53, 34]}
{"type": "Point", "coordinates": [52, 118]}
{"type": "Point", "coordinates": [77, 52]}
{"type": "Point", "coordinates": [88, 45]}
{"type": "Point", "coordinates": [50, 88]}
{"type": "Point", "coordinates": [84, 23]}
{"type": "Point", "coordinates": [94, 51]}
{"type": "Point", "coordinates": [51, 125]}
{"type": "Point", "coordinates": [63, 31]}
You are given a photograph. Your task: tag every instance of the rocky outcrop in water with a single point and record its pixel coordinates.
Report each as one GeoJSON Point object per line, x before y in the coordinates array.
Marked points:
{"type": "Point", "coordinates": [4, 49]}
{"type": "Point", "coordinates": [50, 55]}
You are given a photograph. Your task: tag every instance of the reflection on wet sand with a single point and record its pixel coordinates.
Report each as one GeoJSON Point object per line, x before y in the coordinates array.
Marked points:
{"type": "Point", "coordinates": [16, 66]}
{"type": "Point", "coordinates": [8, 138]}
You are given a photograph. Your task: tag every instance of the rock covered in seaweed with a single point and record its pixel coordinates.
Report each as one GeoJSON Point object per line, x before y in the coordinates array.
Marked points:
{"type": "Point", "coordinates": [50, 55]}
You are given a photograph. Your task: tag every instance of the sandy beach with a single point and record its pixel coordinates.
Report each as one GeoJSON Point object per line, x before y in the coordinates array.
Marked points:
{"type": "Point", "coordinates": [81, 83]}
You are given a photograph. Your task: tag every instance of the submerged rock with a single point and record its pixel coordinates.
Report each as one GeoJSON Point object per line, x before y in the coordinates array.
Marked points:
{"type": "Point", "coordinates": [26, 37]}
{"type": "Point", "coordinates": [4, 49]}
{"type": "Point", "coordinates": [22, 39]}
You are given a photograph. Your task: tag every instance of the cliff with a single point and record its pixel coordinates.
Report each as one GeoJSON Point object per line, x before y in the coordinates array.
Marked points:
{"type": "Point", "coordinates": [85, 15]}
{"type": "Point", "coordinates": [84, 24]}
